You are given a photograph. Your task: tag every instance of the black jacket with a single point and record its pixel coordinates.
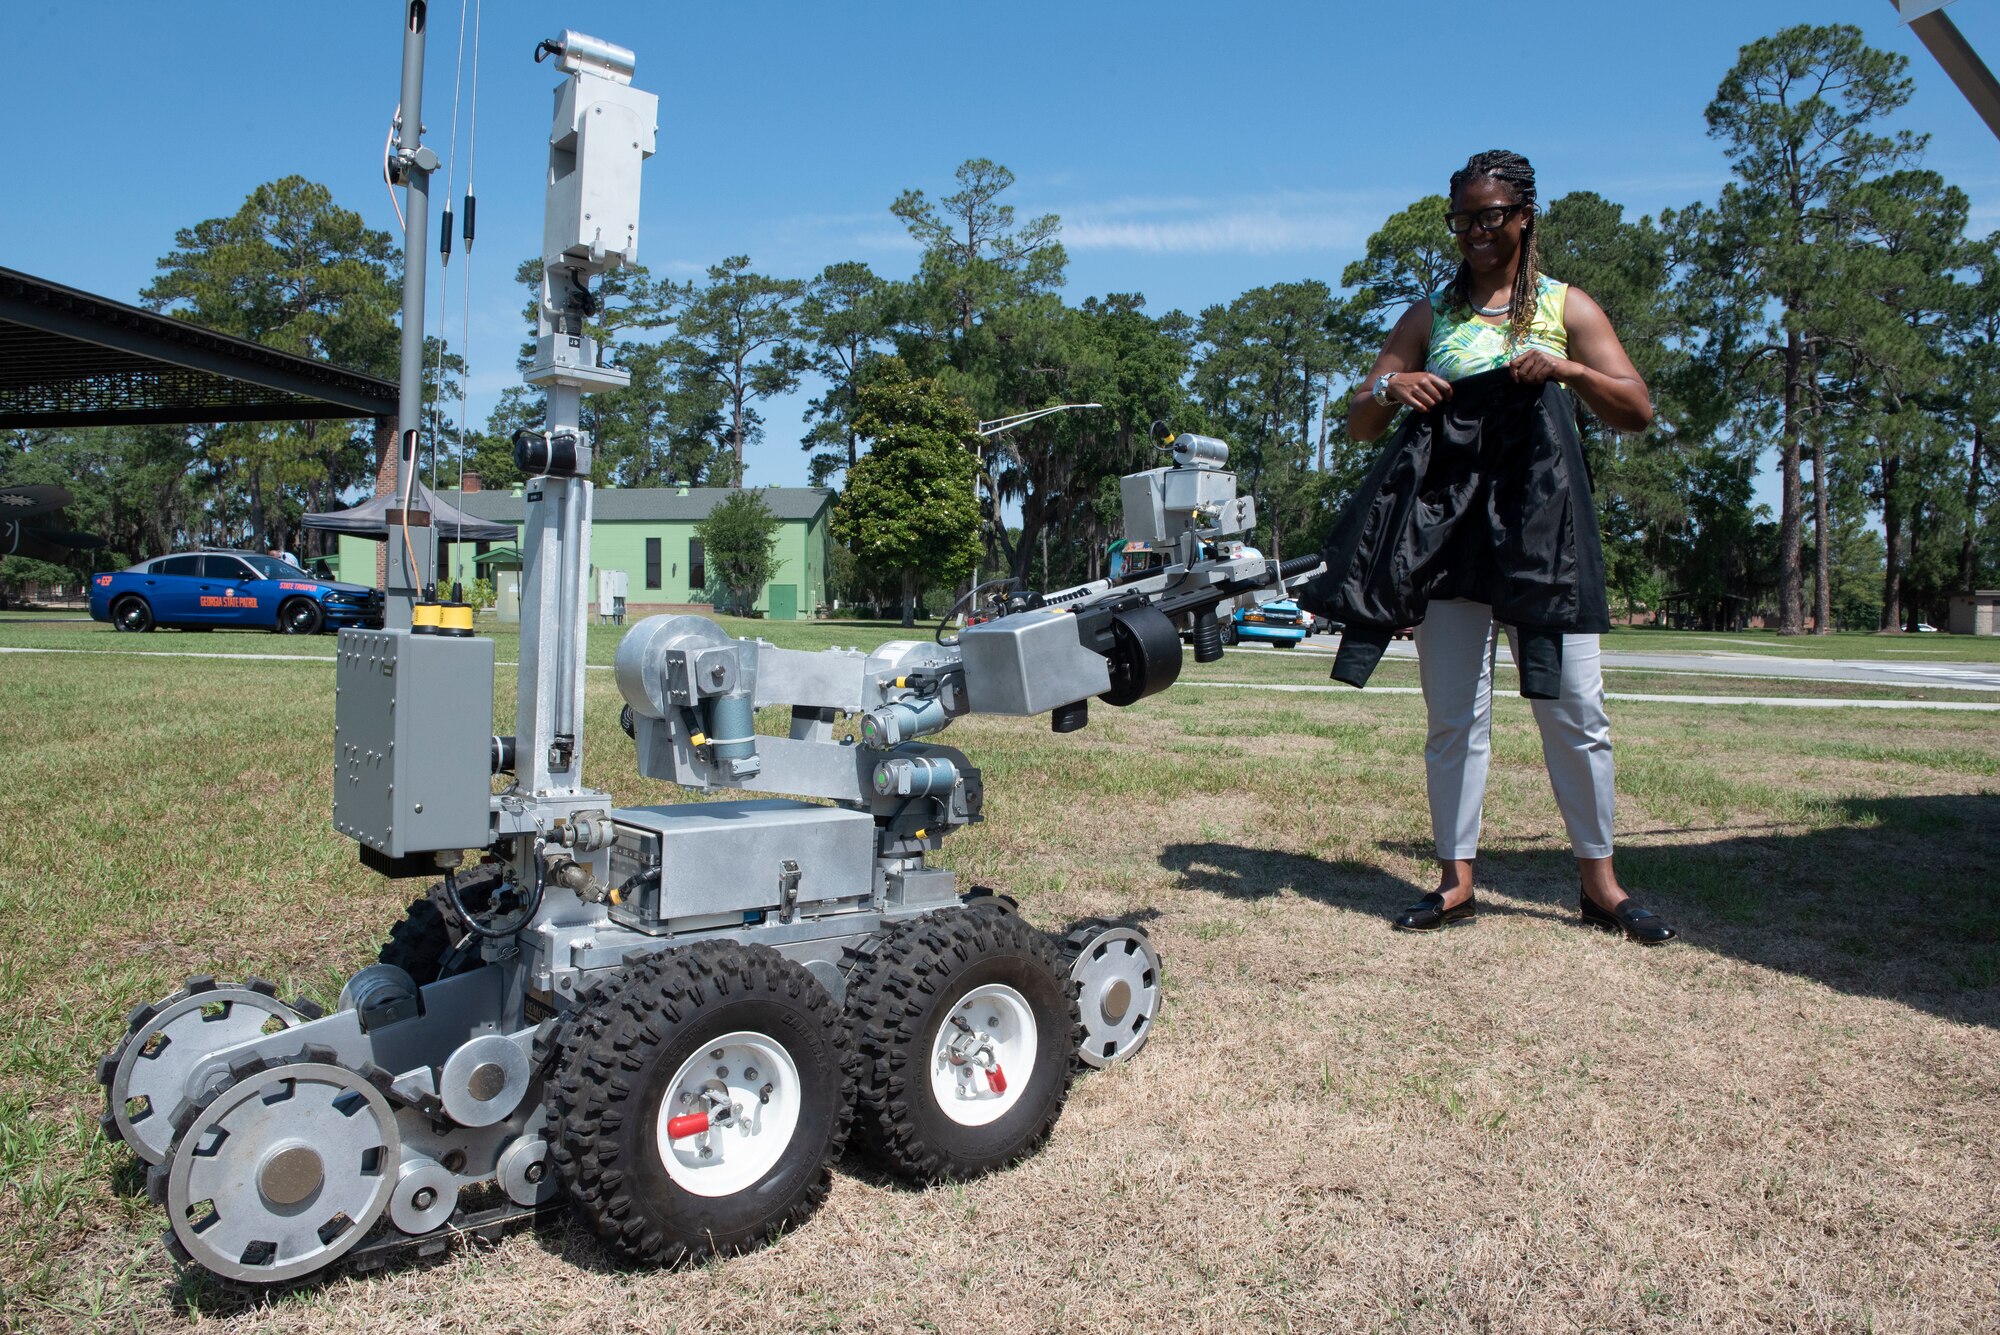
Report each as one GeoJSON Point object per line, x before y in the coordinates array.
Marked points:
{"type": "Point", "coordinates": [1485, 497]}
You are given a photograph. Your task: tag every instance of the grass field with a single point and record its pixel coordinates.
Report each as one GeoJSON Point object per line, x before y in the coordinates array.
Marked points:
{"type": "Point", "coordinates": [1789, 1121]}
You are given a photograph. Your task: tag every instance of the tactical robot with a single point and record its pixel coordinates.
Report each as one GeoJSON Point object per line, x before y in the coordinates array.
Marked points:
{"type": "Point", "coordinates": [673, 1017]}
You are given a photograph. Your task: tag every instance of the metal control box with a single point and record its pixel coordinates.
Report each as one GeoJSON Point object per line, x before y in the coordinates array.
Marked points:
{"type": "Point", "coordinates": [413, 741]}
{"type": "Point", "coordinates": [1163, 503]}
{"type": "Point", "coordinates": [697, 861]}
{"type": "Point", "coordinates": [1029, 663]}
{"type": "Point", "coordinates": [604, 128]}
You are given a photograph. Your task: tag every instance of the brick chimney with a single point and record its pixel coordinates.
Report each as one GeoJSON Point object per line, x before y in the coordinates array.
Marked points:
{"type": "Point", "coordinates": [471, 483]}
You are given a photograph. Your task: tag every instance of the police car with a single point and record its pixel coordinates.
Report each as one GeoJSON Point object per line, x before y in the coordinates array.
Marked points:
{"type": "Point", "coordinates": [206, 589]}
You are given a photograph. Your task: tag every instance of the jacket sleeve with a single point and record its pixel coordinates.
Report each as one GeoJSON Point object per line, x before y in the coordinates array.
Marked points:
{"type": "Point", "coordinates": [1365, 582]}
{"type": "Point", "coordinates": [1361, 648]}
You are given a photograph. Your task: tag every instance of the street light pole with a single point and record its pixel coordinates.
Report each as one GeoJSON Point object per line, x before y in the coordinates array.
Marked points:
{"type": "Point", "coordinates": [1000, 426]}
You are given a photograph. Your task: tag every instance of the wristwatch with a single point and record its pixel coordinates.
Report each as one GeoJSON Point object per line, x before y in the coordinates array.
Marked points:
{"type": "Point", "coordinates": [1382, 386]}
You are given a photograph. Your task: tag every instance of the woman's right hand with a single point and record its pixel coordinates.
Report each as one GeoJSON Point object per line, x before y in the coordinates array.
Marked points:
{"type": "Point", "coordinates": [1417, 389]}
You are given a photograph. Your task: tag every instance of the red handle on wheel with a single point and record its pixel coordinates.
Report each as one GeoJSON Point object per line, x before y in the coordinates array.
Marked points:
{"type": "Point", "coordinates": [996, 1079]}
{"type": "Point", "coordinates": [680, 1128]}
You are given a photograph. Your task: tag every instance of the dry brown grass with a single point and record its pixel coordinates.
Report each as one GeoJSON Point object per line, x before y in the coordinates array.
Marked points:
{"type": "Point", "coordinates": [1787, 1122]}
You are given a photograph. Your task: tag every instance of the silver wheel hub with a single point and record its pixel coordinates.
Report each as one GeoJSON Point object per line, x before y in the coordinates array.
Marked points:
{"type": "Point", "coordinates": [150, 1073]}
{"type": "Point", "coordinates": [283, 1172]}
{"type": "Point", "coordinates": [1117, 975]}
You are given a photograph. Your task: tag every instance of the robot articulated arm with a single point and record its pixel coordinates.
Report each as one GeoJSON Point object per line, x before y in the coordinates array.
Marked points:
{"type": "Point", "coordinates": [693, 693]}
{"type": "Point", "coordinates": [693, 690]}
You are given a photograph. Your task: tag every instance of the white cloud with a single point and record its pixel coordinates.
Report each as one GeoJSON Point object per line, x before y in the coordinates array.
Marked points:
{"type": "Point", "coordinates": [1276, 223]}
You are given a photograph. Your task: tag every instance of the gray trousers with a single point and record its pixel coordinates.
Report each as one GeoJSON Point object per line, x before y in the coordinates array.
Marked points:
{"type": "Point", "coordinates": [1455, 651]}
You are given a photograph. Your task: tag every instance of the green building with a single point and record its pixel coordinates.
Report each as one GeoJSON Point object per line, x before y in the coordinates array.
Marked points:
{"type": "Point", "coordinates": [649, 534]}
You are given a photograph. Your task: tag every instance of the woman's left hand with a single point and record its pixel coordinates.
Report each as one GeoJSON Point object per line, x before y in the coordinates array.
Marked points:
{"type": "Point", "coordinates": [1535, 367]}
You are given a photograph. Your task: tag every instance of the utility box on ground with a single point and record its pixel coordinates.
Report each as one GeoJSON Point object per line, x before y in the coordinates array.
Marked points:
{"type": "Point", "coordinates": [612, 587]}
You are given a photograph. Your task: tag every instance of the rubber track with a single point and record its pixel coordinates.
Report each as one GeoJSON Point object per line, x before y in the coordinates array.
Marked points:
{"type": "Point", "coordinates": [607, 1038]}
{"type": "Point", "coordinates": [883, 1003]}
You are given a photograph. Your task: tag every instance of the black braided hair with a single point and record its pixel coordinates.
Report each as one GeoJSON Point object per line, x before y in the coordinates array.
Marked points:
{"type": "Point", "coordinates": [1513, 170]}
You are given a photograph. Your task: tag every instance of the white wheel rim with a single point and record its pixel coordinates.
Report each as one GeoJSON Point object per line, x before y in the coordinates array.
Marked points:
{"type": "Point", "coordinates": [1003, 1029]}
{"type": "Point", "coordinates": [731, 1155]}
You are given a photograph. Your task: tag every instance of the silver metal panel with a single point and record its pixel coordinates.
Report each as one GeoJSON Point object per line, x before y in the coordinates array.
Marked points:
{"type": "Point", "coordinates": [734, 857]}
{"type": "Point", "coordinates": [1191, 489]}
{"type": "Point", "coordinates": [454, 1009]}
{"type": "Point", "coordinates": [600, 133]}
{"type": "Point", "coordinates": [927, 888]}
{"type": "Point", "coordinates": [1029, 663]}
{"type": "Point", "coordinates": [412, 732]}
{"type": "Point", "coordinates": [1143, 502]}
{"type": "Point", "coordinates": [832, 678]}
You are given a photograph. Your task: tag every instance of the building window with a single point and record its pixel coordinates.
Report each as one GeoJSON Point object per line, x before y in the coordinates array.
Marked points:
{"type": "Point", "coordinates": [697, 568]}
{"type": "Point", "coordinates": [652, 563]}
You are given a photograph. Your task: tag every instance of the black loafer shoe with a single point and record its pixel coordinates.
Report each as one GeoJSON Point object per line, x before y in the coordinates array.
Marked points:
{"type": "Point", "coordinates": [1429, 913]}
{"type": "Point", "coordinates": [1638, 924]}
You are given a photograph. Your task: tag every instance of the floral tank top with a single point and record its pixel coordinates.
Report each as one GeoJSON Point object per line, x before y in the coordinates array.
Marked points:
{"type": "Point", "coordinates": [1462, 344]}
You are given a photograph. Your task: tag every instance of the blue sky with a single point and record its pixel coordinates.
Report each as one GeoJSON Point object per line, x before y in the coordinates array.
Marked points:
{"type": "Point", "coordinates": [1192, 150]}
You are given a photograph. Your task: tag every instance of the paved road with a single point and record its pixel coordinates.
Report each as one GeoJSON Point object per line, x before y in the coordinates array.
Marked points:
{"type": "Point", "coordinates": [1724, 663]}
{"type": "Point", "coordinates": [1775, 701]}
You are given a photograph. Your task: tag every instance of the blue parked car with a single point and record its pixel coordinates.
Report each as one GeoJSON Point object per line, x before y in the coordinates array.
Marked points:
{"type": "Point", "coordinates": [1277, 622]}
{"type": "Point", "coordinates": [203, 590]}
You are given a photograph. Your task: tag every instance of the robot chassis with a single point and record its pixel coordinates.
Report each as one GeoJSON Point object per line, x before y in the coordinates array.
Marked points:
{"type": "Point", "coordinates": [672, 1015]}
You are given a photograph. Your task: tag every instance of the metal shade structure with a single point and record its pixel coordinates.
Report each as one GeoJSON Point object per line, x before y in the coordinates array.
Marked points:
{"type": "Point", "coordinates": [1941, 37]}
{"type": "Point", "coordinates": [370, 519]}
{"type": "Point", "coordinates": [70, 358]}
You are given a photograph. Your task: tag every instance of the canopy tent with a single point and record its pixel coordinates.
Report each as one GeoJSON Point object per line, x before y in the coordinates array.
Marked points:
{"type": "Point", "coordinates": [370, 519]}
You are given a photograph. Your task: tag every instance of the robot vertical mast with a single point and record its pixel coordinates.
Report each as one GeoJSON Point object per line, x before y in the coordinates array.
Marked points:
{"type": "Point", "coordinates": [411, 167]}
{"type": "Point", "coordinates": [603, 130]}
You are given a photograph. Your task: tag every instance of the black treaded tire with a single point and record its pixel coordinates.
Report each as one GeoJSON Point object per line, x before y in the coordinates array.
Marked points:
{"type": "Point", "coordinates": [616, 1055]}
{"type": "Point", "coordinates": [423, 943]}
{"type": "Point", "coordinates": [299, 616]}
{"type": "Point", "coordinates": [1228, 629]}
{"type": "Point", "coordinates": [897, 999]}
{"type": "Point", "coordinates": [986, 898]}
{"type": "Point", "coordinates": [131, 613]}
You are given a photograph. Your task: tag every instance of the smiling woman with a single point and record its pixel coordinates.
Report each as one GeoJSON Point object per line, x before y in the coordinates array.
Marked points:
{"type": "Point", "coordinates": [1500, 311]}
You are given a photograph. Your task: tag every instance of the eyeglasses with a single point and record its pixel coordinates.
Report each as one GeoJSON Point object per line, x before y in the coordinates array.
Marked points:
{"type": "Point", "coordinates": [1458, 224]}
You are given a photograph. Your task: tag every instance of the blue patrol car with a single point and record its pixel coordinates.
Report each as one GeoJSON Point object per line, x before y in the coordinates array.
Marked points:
{"type": "Point", "coordinates": [203, 590]}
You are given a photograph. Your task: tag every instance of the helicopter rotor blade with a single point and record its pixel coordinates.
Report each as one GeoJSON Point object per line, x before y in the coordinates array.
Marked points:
{"type": "Point", "coordinates": [44, 544]}
{"type": "Point", "coordinates": [25, 502]}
